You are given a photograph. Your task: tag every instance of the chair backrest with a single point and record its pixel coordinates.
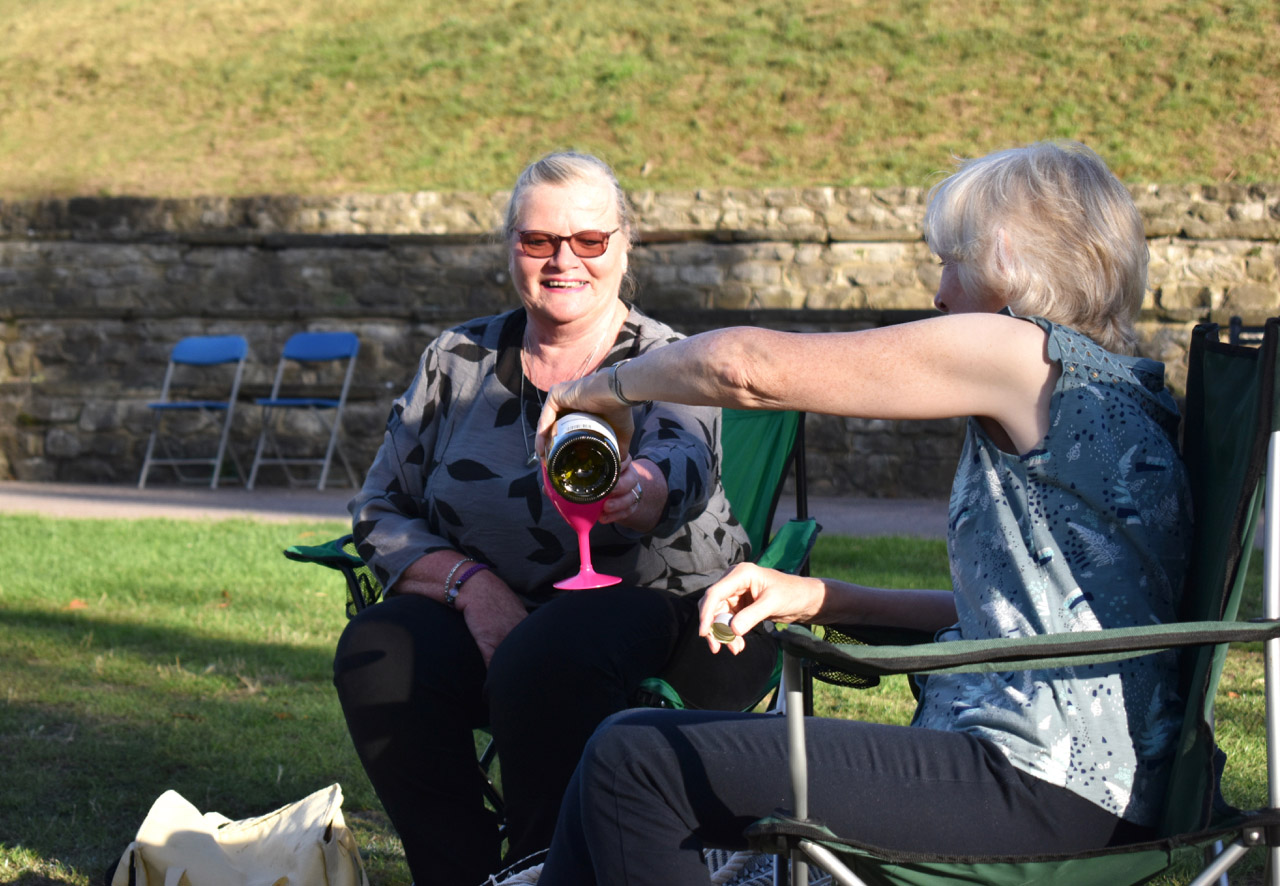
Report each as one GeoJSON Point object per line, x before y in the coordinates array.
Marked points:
{"type": "Point", "coordinates": [758, 447]}
{"type": "Point", "coordinates": [208, 350]}
{"type": "Point", "coordinates": [1229, 415]}
{"type": "Point", "coordinates": [1240, 334]}
{"type": "Point", "coordinates": [314, 347]}
{"type": "Point", "coordinates": [317, 347]}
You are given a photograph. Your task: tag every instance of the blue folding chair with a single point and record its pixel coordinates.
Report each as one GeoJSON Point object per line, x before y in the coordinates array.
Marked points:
{"type": "Point", "coordinates": [187, 369]}
{"type": "Point", "coordinates": [304, 351]}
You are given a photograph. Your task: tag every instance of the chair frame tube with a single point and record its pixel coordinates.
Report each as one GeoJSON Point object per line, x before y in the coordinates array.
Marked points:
{"type": "Point", "coordinates": [1271, 649]}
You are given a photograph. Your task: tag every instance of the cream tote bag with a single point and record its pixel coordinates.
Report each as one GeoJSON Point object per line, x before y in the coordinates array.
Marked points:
{"type": "Point", "coordinates": [303, 844]}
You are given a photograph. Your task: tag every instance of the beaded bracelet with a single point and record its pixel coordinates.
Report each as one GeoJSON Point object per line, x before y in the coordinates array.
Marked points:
{"type": "Point", "coordinates": [448, 582]}
{"type": "Point", "coordinates": [451, 595]}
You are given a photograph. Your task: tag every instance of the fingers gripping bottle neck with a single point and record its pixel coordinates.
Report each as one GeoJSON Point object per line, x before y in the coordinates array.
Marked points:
{"type": "Point", "coordinates": [583, 462]}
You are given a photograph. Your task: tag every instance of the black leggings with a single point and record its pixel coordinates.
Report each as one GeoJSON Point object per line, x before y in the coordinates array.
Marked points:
{"type": "Point", "coordinates": [413, 686]}
{"type": "Point", "coordinates": [655, 787]}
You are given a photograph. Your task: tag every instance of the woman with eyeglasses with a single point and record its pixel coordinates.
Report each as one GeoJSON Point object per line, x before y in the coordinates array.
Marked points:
{"type": "Point", "coordinates": [454, 522]}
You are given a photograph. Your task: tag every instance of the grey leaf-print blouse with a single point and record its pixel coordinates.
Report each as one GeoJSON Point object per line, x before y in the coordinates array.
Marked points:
{"type": "Point", "coordinates": [453, 472]}
{"type": "Point", "coordinates": [1089, 530]}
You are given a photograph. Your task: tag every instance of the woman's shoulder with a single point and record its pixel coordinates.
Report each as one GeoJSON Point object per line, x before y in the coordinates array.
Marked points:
{"type": "Point", "coordinates": [1109, 379]}
{"type": "Point", "coordinates": [648, 332]}
{"type": "Point", "coordinates": [1082, 357]}
{"type": "Point", "coordinates": [486, 333]}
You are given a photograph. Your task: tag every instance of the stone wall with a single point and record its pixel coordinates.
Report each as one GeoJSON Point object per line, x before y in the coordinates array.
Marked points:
{"type": "Point", "coordinates": [94, 292]}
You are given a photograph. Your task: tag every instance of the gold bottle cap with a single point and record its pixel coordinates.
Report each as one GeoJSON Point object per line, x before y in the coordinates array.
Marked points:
{"type": "Point", "coordinates": [720, 628]}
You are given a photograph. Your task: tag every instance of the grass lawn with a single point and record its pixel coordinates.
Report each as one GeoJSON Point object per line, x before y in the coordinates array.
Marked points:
{"type": "Point", "coordinates": [188, 97]}
{"type": "Point", "coordinates": [138, 656]}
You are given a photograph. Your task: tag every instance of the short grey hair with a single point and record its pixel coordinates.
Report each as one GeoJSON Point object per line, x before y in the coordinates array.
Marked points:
{"type": "Point", "coordinates": [563, 168]}
{"type": "Point", "coordinates": [1051, 231]}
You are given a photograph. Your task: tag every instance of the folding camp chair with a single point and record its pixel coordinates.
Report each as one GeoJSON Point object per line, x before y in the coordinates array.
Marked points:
{"type": "Point", "coordinates": [760, 448]}
{"type": "Point", "coordinates": [305, 351]}
{"type": "Point", "coordinates": [1231, 416]}
{"type": "Point", "coordinates": [1240, 334]}
{"type": "Point", "coordinates": [191, 369]}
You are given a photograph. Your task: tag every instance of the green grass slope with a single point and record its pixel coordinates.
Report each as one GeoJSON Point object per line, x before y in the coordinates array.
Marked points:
{"type": "Point", "coordinates": [186, 97]}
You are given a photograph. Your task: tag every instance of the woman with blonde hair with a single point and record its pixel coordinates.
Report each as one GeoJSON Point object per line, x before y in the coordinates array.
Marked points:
{"type": "Point", "coordinates": [1069, 510]}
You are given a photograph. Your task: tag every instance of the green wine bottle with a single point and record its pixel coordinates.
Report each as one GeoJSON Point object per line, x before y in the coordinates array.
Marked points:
{"type": "Point", "coordinates": [583, 462]}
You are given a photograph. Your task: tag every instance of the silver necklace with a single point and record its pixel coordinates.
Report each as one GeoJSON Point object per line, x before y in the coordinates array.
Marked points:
{"type": "Point", "coordinates": [524, 427]}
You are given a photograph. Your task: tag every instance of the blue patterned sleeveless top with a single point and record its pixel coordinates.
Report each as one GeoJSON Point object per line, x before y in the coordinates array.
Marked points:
{"type": "Point", "coordinates": [1089, 530]}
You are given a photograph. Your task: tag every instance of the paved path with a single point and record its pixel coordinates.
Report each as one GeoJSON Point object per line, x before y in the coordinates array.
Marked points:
{"type": "Point", "coordinates": [838, 516]}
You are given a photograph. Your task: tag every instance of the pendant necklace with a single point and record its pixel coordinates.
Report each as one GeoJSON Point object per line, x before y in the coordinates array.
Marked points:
{"type": "Point", "coordinates": [524, 427]}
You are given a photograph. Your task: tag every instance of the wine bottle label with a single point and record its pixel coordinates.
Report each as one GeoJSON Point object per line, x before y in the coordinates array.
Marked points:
{"type": "Point", "coordinates": [584, 421]}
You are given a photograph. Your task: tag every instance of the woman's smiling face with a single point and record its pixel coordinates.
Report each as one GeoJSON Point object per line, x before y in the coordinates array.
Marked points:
{"type": "Point", "coordinates": [563, 287]}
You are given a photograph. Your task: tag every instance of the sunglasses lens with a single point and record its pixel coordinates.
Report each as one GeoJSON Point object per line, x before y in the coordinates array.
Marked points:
{"type": "Point", "coordinates": [589, 244]}
{"type": "Point", "coordinates": [539, 245]}
{"type": "Point", "coordinates": [585, 244]}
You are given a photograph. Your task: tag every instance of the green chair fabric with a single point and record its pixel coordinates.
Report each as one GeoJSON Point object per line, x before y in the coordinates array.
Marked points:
{"type": "Point", "coordinates": [1230, 417]}
{"type": "Point", "coordinates": [759, 447]}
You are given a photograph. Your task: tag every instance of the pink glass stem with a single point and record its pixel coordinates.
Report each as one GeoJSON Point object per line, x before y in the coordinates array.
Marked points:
{"type": "Point", "coordinates": [580, 517]}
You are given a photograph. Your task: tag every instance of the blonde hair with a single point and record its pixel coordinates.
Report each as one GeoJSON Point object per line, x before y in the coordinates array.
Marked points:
{"type": "Point", "coordinates": [564, 168]}
{"type": "Point", "coordinates": [1051, 231]}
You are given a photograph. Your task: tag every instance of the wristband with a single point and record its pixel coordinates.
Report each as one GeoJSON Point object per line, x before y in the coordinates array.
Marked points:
{"type": "Point", "coordinates": [448, 582]}
{"type": "Point", "coordinates": [451, 595]}
{"type": "Point", "coordinates": [617, 388]}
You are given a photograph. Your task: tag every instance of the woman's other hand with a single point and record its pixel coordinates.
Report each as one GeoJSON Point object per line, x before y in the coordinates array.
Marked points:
{"type": "Point", "coordinates": [639, 498]}
{"type": "Point", "coordinates": [754, 594]}
{"type": "Point", "coordinates": [491, 609]}
{"type": "Point", "coordinates": [488, 605]}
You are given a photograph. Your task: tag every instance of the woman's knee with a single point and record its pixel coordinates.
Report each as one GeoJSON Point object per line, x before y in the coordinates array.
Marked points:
{"type": "Point", "coordinates": [621, 739]}
{"type": "Point", "coordinates": [581, 637]}
{"type": "Point", "coordinates": [400, 643]}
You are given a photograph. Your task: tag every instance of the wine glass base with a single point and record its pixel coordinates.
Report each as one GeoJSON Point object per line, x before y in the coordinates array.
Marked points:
{"type": "Point", "coordinates": [584, 580]}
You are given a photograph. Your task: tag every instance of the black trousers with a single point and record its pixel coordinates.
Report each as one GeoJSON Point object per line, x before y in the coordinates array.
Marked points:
{"type": "Point", "coordinates": [413, 686]}
{"type": "Point", "coordinates": [655, 787]}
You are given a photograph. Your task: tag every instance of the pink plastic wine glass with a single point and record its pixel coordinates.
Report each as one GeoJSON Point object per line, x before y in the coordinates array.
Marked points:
{"type": "Point", "coordinates": [580, 517]}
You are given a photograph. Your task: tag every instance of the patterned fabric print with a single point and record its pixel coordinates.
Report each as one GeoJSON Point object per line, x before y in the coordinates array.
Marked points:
{"type": "Point", "coordinates": [453, 472]}
{"type": "Point", "coordinates": [1090, 530]}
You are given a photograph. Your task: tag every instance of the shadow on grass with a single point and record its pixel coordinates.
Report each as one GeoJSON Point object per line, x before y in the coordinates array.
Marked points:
{"type": "Point", "coordinates": [100, 717]}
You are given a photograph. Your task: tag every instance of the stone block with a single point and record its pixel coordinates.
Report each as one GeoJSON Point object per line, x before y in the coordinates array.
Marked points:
{"type": "Point", "coordinates": [835, 297]}
{"type": "Point", "coordinates": [59, 443]}
{"type": "Point", "coordinates": [870, 275]}
{"type": "Point", "coordinates": [808, 254]}
{"type": "Point", "coordinates": [21, 356]}
{"type": "Point", "coordinates": [894, 298]}
{"type": "Point", "coordinates": [1247, 298]}
{"type": "Point", "coordinates": [794, 216]}
{"type": "Point", "coordinates": [1185, 296]}
{"type": "Point", "coordinates": [733, 295]}
{"type": "Point", "coordinates": [1263, 268]}
{"type": "Point", "coordinates": [756, 273]}
{"type": "Point", "coordinates": [700, 275]}
{"type": "Point", "coordinates": [33, 470]}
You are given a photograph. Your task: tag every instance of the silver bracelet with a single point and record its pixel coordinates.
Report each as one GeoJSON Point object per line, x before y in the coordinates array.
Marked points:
{"type": "Point", "coordinates": [617, 388]}
{"type": "Point", "coordinates": [448, 582]}
{"type": "Point", "coordinates": [451, 595]}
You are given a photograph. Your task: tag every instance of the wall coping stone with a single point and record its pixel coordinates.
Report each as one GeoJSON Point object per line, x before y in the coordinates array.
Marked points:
{"type": "Point", "coordinates": [1213, 211]}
